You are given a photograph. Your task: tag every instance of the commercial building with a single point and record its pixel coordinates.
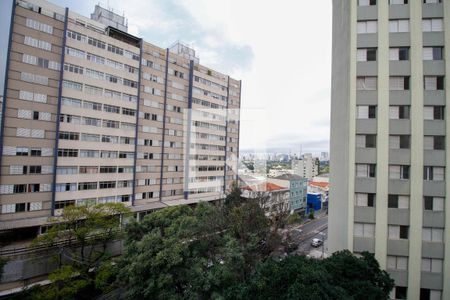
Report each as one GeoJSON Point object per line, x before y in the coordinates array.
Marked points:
{"type": "Point", "coordinates": [307, 166]}
{"type": "Point", "coordinates": [93, 114]}
{"type": "Point", "coordinates": [389, 118]}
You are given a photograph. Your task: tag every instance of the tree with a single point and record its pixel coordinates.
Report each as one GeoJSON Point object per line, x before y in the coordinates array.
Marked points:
{"type": "Point", "coordinates": [342, 276]}
{"type": "Point", "coordinates": [183, 252]}
{"type": "Point", "coordinates": [81, 236]}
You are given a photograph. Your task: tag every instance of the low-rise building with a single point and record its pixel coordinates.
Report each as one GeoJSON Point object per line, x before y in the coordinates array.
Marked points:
{"type": "Point", "coordinates": [276, 197]}
{"type": "Point", "coordinates": [297, 187]}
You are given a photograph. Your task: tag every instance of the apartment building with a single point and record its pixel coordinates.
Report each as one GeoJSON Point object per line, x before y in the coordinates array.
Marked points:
{"type": "Point", "coordinates": [306, 167]}
{"type": "Point", "coordinates": [93, 114]}
{"type": "Point", "coordinates": [389, 151]}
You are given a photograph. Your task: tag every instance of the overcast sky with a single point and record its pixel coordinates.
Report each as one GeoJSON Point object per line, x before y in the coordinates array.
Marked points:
{"type": "Point", "coordinates": [280, 49]}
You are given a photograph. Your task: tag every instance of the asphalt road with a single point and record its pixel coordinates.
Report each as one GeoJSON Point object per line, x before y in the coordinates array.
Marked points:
{"type": "Point", "coordinates": [311, 230]}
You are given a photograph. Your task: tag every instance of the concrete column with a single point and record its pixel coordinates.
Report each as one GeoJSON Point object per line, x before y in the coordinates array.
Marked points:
{"type": "Point", "coordinates": [416, 194]}
{"type": "Point", "coordinates": [446, 288]}
{"type": "Point", "coordinates": [382, 171]}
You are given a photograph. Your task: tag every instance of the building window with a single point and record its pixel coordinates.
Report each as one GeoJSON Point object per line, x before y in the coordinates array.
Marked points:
{"type": "Point", "coordinates": [427, 294]}
{"type": "Point", "coordinates": [433, 53]}
{"type": "Point", "coordinates": [398, 201]}
{"type": "Point", "coordinates": [433, 83]}
{"type": "Point", "coordinates": [364, 230]}
{"type": "Point", "coordinates": [366, 111]}
{"type": "Point", "coordinates": [367, 2]}
{"type": "Point", "coordinates": [366, 54]}
{"type": "Point", "coordinates": [398, 26]}
{"type": "Point", "coordinates": [365, 170]}
{"type": "Point", "coordinates": [431, 25]}
{"type": "Point", "coordinates": [396, 232]}
{"type": "Point", "coordinates": [436, 142]}
{"type": "Point", "coordinates": [367, 83]}
{"type": "Point", "coordinates": [398, 83]}
{"type": "Point", "coordinates": [395, 2]}
{"type": "Point", "coordinates": [433, 203]}
{"type": "Point", "coordinates": [432, 265]}
{"type": "Point", "coordinates": [399, 112]}
{"type": "Point", "coordinates": [367, 26]}
{"type": "Point", "coordinates": [366, 141]}
{"type": "Point", "coordinates": [433, 173]}
{"type": "Point", "coordinates": [399, 172]}
{"type": "Point", "coordinates": [399, 142]}
{"type": "Point", "coordinates": [397, 263]}
{"type": "Point", "coordinates": [433, 112]}
{"type": "Point", "coordinates": [432, 234]}
{"type": "Point", "coordinates": [365, 200]}
{"type": "Point", "coordinates": [399, 53]}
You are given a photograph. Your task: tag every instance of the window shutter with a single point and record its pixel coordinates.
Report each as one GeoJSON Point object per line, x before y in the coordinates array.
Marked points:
{"type": "Point", "coordinates": [47, 170]}
{"type": "Point", "coordinates": [23, 132]}
{"type": "Point", "coordinates": [393, 231]}
{"type": "Point", "coordinates": [438, 173]}
{"type": "Point", "coordinates": [393, 54]}
{"type": "Point", "coordinates": [371, 26]}
{"type": "Point", "coordinates": [24, 114]}
{"type": "Point", "coordinates": [8, 150]}
{"type": "Point", "coordinates": [426, 234]}
{"type": "Point", "coordinates": [403, 202]}
{"type": "Point", "coordinates": [438, 203]}
{"type": "Point", "coordinates": [394, 172]}
{"type": "Point", "coordinates": [396, 83]}
{"type": "Point", "coordinates": [428, 143]}
{"type": "Point", "coordinates": [428, 113]}
{"type": "Point", "coordinates": [371, 83]}
{"type": "Point", "coordinates": [361, 55]}
{"type": "Point", "coordinates": [426, 25]}
{"type": "Point", "coordinates": [403, 25]}
{"type": "Point", "coordinates": [45, 116]}
{"type": "Point", "coordinates": [430, 83]}
{"type": "Point", "coordinates": [363, 112]}
{"type": "Point", "coordinates": [393, 26]}
{"type": "Point", "coordinates": [35, 206]}
{"type": "Point", "coordinates": [437, 25]}
{"type": "Point", "coordinates": [358, 229]}
{"type": "Point", "coordinates": [360, 141]}
{"type": "Point", "coordinates": [364, 2]}
{"type": "Point", "coordinates": [393, 112]}
{"type": "Point", "coordinates": [428, 53]}
{"type": "Point", "coordinates": [37, 133]}
{"type": "Point", "coordinates": [6, 189]}
{"type": "Point", "coordinates": [46, 152]}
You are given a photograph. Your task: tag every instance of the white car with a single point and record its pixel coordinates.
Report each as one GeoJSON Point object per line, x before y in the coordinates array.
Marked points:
{"type": "Point", "coordinates": [316, 242]}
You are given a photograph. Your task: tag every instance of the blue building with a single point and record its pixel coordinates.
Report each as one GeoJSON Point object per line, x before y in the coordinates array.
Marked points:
{"type": "Point", "coordinates": [314, 201]}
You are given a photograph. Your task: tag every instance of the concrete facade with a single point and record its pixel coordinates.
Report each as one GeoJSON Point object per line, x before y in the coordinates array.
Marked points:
{"type": "Point", "coordinates": [388, 140]}
{"type": "Point", "coordinates": [92, 114]}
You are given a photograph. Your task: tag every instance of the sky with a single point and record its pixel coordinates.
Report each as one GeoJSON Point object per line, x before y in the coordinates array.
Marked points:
{"type": "Point", "coordinates": [281, 50]}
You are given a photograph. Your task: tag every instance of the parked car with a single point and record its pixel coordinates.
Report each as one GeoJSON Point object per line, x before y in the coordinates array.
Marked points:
{"type": "Point", "coordinates": [316, 242]}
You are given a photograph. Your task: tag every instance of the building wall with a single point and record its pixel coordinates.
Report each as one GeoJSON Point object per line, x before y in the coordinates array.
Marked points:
{"type": "Point", "coordinates": [380, 196]}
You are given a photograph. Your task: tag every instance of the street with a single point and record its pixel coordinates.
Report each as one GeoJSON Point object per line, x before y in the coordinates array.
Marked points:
{"type": "Point", "coordinates": [313, 229]}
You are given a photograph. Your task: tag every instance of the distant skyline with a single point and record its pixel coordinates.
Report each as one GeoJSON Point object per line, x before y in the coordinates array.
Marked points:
{"type": "Point", "coordinates": [286, 79]}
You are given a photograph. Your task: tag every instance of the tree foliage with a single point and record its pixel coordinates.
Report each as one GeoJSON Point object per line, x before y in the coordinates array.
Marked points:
{"type": "Point", "coordinates": [341, 276]}
{"type": "Point", "coordinates": [81, 236]}
{"type": "Point", "coordinates": [225, 252]}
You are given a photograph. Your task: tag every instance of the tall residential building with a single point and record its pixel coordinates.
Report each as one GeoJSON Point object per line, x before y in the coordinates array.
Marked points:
{"type": "Point", "coordinates": [389, 151]}
{"type": "Point", "coordinates": [307, 166]}
{"type": "Point", "coordinates": [93, 114]}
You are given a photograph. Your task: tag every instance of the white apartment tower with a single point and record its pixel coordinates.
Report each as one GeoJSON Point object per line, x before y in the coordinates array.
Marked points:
{"type": "Point", "coordinates": [306, 167]}
{"type": "Point", "coordinates": [389, 181]}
